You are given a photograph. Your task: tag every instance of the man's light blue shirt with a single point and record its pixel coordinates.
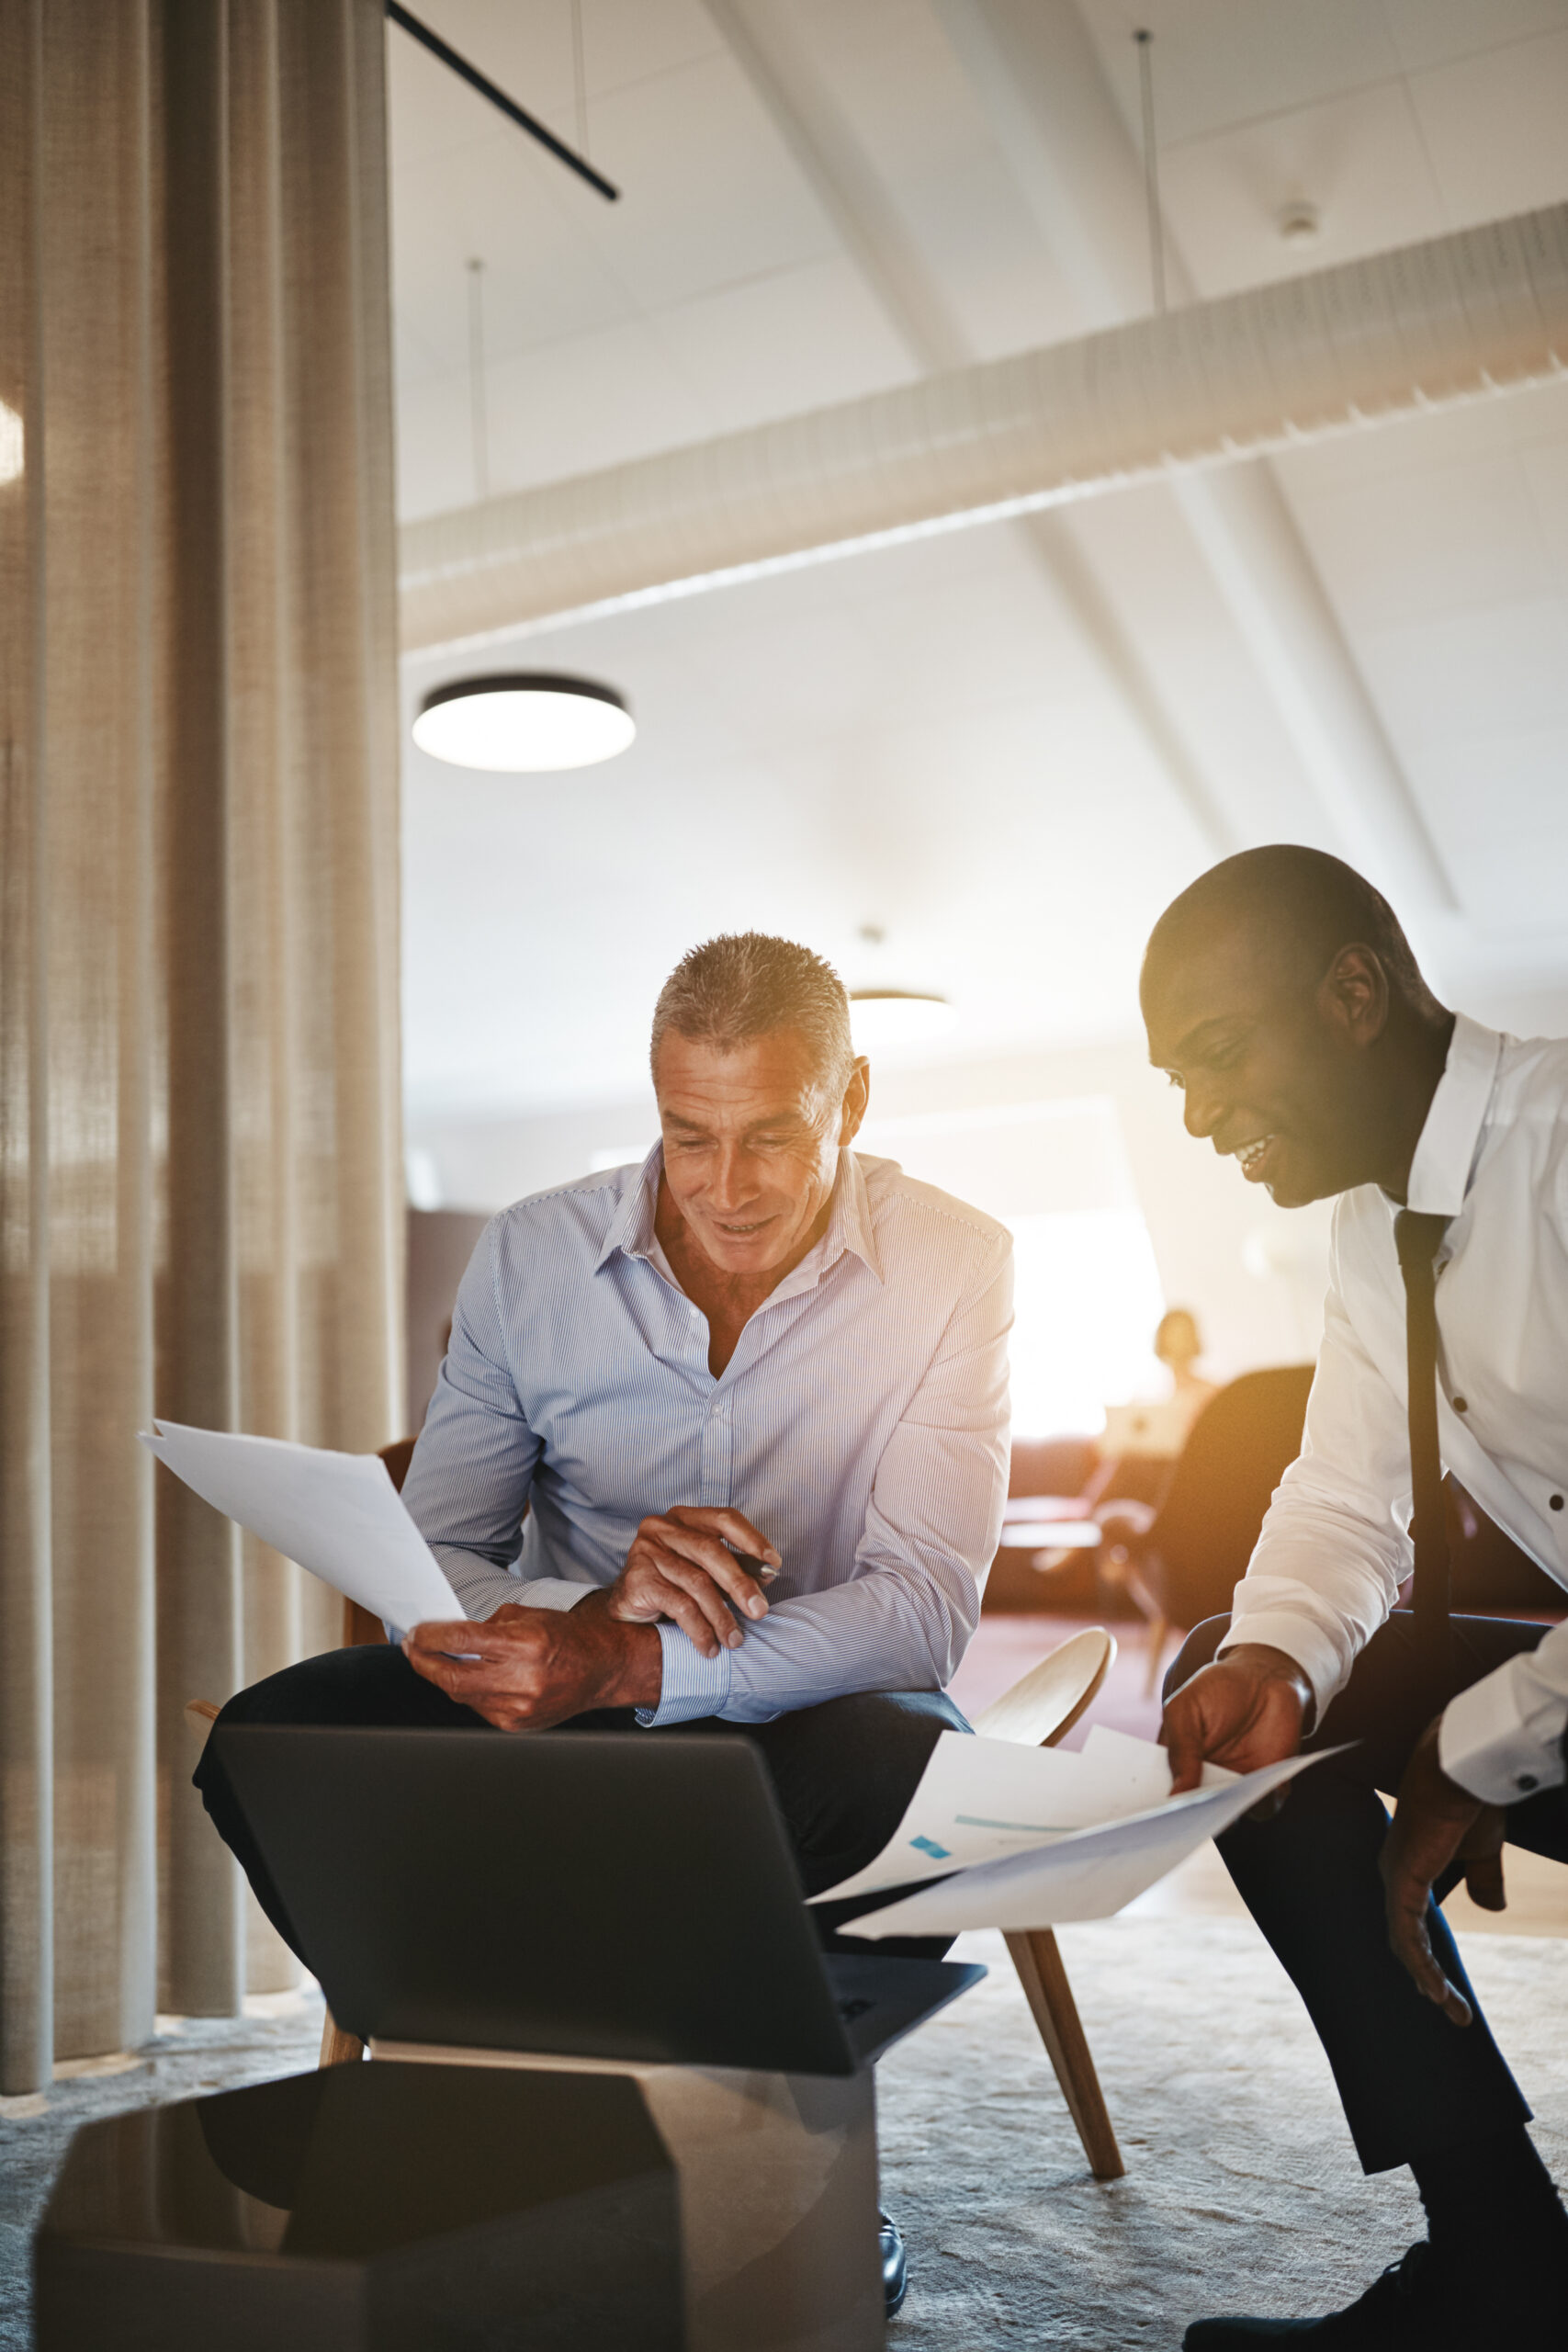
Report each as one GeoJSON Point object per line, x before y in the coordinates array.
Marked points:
{"type": "Point", "coordinates": [861, 1425]}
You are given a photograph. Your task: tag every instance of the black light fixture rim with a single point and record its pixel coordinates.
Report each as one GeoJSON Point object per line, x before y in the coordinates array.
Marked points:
{"type": "Point", "coordinates": [523, 682]}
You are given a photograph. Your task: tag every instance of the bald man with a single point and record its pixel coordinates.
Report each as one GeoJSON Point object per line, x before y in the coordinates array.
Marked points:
{"type": "Point", "coordinates": [1281, 996]}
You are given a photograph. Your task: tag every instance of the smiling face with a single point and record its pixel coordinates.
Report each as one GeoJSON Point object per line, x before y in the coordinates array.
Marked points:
{"type": "Point", "coordinates": [1273, 1058]}
{"type": "Point", "coordinates": [752, 1143]}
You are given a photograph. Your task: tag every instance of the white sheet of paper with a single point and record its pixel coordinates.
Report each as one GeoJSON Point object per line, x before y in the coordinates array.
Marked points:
{"type": "Point", "coordinates": [338, 1514]}
{"type": "Point", "coordinates": [1088, 1874]}
{"type": "Point", "coordinates": [980, 1800]}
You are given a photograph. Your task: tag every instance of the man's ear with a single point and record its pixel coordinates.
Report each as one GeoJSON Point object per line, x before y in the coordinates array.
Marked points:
{"type": "Point", "coordinates": [1353, 998]}
{"type": "Point", "coordinates": [857, 1094]}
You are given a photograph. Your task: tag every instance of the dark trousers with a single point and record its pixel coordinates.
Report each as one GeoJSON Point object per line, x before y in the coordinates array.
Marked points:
{"type": "Point", "coordinates": [1413, 2084]}
{"type": "Point", "coordinates": [843, 1772]}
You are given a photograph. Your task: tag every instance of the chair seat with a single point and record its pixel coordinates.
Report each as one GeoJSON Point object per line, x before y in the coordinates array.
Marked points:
{"type": "Point", "coordinates": [1042, 1706]}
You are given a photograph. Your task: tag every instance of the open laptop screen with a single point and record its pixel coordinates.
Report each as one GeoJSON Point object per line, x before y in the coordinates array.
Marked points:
{"type": "Point", "coordinates": [587, 1894]}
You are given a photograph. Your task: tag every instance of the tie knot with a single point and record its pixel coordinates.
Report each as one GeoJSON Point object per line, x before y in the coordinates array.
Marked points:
{"type": "Point", "coordinates": [1416, 1236]}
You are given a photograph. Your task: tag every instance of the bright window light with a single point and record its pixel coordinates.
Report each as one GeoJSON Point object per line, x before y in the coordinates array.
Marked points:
{"type": "Point", "coordinates": [12, 443]}
{"type": "Point", "coordinates": [421, 1178]}
{"type": "Point", "coordinates": [1087, 1289]}
{"type": "Point", "coordinates": [1088, 1300]}
{"type": "Point", "coordinates": [524, 724]}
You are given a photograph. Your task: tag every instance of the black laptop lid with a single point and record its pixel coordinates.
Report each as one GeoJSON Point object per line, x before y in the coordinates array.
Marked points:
{"type": "Point", "coordinates": [596, 1894]}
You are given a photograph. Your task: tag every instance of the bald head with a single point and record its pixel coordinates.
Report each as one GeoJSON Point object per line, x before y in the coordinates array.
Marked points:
{"type": "Point", "coordinates": [1299, 907]}
{"type": "Point", "coordinates": [1281, 995]}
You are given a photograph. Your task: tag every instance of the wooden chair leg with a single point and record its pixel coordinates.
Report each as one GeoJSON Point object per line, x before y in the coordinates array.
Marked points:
{"type": "Point", "coordinates": [1038, 1961]}
{"type": "Point", "coordinates": [1159, 1633]}
{"type": "Point", "coordinates": [339, 2048]}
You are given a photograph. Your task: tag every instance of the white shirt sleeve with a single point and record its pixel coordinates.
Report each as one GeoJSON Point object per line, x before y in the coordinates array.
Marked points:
{"type": "Point", "coordinates": [1335, 1544]}
{"type": "Point", "coordinates": [1502, 1739]}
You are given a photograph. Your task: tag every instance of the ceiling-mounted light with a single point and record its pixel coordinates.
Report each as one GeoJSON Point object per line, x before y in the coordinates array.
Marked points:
{"type": "Point", "coordinates": [523, 723]}
{"type": "Point", "coordinates": [880, 1017]}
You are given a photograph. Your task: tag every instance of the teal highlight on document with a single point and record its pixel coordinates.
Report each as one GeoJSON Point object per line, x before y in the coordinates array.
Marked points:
{"type": "Point", "coordinates": [930, 1846]}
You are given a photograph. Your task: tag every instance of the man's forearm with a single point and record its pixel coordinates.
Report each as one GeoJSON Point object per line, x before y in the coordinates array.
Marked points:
{"type": "Point", "coordinates": [526, 1669]}
{"type": "Point", "coordinates": [878, 1632]}
{"type": "Point", "coordinates": [633, 1655]}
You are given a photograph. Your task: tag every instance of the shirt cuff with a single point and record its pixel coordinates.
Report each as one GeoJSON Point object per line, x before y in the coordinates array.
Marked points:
{"type": "Point", "coordinates": [1300, 1639]}
{"type": "Point", "coordinates": [1489, 1743]}
{"type": "Point", "coordinates": [550, 1592]}
{"type": "Point", "coordinates": [693, 1686]}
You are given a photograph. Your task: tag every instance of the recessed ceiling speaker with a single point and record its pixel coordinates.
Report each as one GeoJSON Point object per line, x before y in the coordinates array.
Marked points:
{"type": "Point", "coordinates": [523, 723]}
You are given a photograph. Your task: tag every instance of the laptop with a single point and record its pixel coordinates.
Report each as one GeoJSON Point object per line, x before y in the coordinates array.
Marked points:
{"type": "Point", "coordinates": [590, 1894]}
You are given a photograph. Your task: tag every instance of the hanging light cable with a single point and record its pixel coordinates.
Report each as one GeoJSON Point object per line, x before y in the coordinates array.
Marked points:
{"type": "Point", "coordinates": [580, 77]}
{"type": "Point", "coordinates": [479, 417]}
{"type": "Point", "coordinates": [1151, 165]}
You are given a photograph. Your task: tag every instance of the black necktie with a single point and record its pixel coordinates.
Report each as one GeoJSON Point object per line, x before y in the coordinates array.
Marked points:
{"type": "Point", "coordinates": [1416, 1236]}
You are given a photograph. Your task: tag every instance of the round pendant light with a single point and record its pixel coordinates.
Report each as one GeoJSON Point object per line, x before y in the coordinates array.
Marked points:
{"type": "Point", "coordinates": [523, 723]}
{"type": "Point", "coordinates": [881, 1017]}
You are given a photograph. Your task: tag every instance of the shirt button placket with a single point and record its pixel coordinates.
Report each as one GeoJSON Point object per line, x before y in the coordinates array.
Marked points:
{"type": "Point", "coordinates": [716, 1456]}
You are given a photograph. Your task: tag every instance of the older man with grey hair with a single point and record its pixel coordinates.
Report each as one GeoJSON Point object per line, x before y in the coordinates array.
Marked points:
{"type": "Point", "coordinates": [719, 1441]}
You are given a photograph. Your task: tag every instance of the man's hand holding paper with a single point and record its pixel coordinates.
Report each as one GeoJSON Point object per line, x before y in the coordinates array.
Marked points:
{"type": "Point", "coordinates": [1029, 1838]}
{"type": "Point", "coordinates": [526, 1669]}
{"type": "Point", "coordinates": [337, 1514]}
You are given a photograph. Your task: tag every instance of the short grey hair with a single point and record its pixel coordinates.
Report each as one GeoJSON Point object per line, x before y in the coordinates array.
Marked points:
{"type": "Point", "coordinates": [745, 985]}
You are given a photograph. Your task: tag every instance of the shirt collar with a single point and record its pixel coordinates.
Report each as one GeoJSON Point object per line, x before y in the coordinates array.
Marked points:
{"type": "Point", "coordinates": [849, 1225]}
{"type": "Point", "coordinates": [631, 1227]}
{"type": "Point", "coordinates": [1446, 1155]}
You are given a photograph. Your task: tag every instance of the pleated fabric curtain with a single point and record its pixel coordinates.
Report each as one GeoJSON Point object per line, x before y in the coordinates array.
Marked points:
{"type": "Point", "coordinates": [201, 1192]}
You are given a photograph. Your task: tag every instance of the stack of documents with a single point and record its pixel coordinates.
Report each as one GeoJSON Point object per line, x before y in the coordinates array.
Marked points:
{"type": "Point", "coordinates": [1019, 1837]}
{"type": "Point", "coordinates": [337, 1514]}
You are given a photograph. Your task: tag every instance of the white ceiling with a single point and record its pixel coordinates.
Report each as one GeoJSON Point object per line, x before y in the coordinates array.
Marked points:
{"type": "Point", "coordinates": [930, 740]}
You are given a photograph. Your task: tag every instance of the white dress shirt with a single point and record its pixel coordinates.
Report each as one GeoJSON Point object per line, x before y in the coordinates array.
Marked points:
{"type": "Point", "coordinates": [861, 1424]}
{"type": "Point", "coordinates": [1493, 1158]}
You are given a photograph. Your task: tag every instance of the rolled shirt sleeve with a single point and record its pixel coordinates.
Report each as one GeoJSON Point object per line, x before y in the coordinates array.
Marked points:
{"type": "Point", "coordinates": [469, 1483]}
{"type": "Point", "coordinates": [1335, 1549]}
{"type": "Point", "coordinates": [1502, 1739]}
{"type": "Point", "coordinates": [1335, 1545]}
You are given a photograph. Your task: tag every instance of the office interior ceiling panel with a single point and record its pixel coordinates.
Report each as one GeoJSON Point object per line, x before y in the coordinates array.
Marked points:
{"type": "Point", "coordinates": [1007, 747]}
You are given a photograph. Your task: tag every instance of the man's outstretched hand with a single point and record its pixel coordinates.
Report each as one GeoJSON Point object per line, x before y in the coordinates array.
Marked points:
{"type": "Point", "coordinates": [1435, 1823]}
{"type": "Point", "coordinates": [1246, 1710]}
{"type": "Point", "coordinates": [524, 1669]}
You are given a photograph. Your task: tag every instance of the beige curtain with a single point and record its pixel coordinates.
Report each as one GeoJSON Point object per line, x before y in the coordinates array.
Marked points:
{"type": "Point", "coordinates": [200, 1203]}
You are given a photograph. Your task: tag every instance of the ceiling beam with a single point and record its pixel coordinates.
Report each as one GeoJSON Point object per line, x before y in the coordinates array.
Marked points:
{"type": "Point", "coordinates": [1036, 72]}
{"type": "Point", "coordinates": [834, 163]}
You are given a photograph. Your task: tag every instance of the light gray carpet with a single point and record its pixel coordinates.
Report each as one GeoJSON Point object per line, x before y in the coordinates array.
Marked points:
{"type": "Point", "coordinates": [1241, 2190]}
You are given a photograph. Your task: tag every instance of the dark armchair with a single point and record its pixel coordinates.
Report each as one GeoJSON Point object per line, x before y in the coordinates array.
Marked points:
{"type": "Point", "coordinates": [1183, 1565]}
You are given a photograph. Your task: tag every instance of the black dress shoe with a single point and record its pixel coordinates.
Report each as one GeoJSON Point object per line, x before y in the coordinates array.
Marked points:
{"type": "Point", "coordinates": [895, 2262]}
{"type": "Point", "coordinates": [1416, 2306]}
